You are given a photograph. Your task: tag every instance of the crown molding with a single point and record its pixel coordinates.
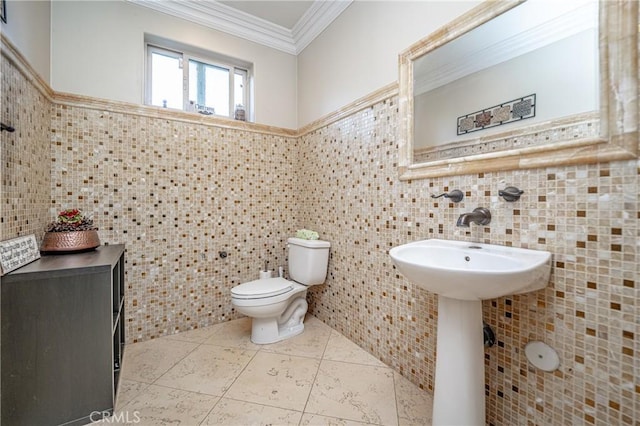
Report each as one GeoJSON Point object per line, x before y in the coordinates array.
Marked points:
{"type": "Point", "coordinates": [315, 20]}
{"type": "Point", "coordinates": [221, 17]}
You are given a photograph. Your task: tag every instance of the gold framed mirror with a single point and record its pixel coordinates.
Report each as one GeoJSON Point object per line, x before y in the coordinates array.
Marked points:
{"type": "Point", "coordinates": [609, 132]}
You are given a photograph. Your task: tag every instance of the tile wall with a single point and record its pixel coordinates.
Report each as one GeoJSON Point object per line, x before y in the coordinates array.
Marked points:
{"type": "Point", "coordinates": [176, 193]}
{"type": "Point", "coordinates": [25, 155]}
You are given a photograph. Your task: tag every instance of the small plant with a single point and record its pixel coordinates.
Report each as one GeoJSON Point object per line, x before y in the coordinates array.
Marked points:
{"type": "Point", "coordinates": [71, 220]}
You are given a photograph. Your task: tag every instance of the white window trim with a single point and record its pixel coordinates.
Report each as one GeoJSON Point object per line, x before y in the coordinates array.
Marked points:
{"type": "Point", "coordinates": [186, 53]}
{"type": "Point", "coordinates": [149, 50]}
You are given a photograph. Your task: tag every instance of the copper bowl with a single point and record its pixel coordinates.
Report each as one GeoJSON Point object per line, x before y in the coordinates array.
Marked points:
{"type": "Point", "coordinates": [69, 242]}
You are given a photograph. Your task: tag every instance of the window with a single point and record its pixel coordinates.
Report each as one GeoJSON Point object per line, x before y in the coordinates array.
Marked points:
{"type": "Point", "coordinates": [197, 81]}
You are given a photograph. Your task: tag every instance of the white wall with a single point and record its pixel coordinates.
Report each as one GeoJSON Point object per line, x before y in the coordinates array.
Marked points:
{"type": "Point", "coordinates": [563, 75]}
{"type": "Point", "coordinates": [98, 50]}
{"type": "Point", "coordinates": [358, 53]}
{"type": "Point", "coordinates": [28, 28]}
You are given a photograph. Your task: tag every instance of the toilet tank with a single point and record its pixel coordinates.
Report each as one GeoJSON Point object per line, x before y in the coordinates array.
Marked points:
{"type": "Point", "coordinates": [308, 260]}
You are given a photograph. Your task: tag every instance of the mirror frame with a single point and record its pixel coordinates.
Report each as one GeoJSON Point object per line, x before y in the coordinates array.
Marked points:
{"type": "Point", "coordinates": [618, 111]}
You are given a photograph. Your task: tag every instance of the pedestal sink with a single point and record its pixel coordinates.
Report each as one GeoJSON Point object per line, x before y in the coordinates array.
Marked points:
{"type": "Point", "coordinates": [463, 274]}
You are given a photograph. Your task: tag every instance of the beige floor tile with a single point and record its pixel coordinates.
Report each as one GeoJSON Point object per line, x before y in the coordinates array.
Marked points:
{"type": "Point", "coordinates": [340, 348]}
{"type": "Point", "coordinates": [146, 361]}
{"type": "Point", "coordinates": [318, 420]}
{"type": "Point", "coordinates": [265, 384]}
{"type": "Point", "coordinates": [159, 405]}
{"type": "Point", "coordinates": [408, 422]}
{"type": "Point", "coordinates": [229, 412]}
{"type": "Point", "coordinates": [415, 406]}
{"type": "Point", "coordinates": [310, 343]}
{"type": "Point", "coordinates": [198, 335]}
{"type": "Point", "coordinates": [127, 390]}
{"type": "Point", "coordinates": [274, 379]}
{"type": "Point", "coordinates": [311, 320]}
{"type": "Point", "coordinates": [234, 334]}
{"type": "Point", "coordinates": [355, 392]}
{"type": "Point", "coordinates": [208, 369]}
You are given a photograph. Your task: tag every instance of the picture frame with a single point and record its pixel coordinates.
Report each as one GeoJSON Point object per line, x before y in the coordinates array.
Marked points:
{"type": "Point", "coordinates": [3, 11]}
{"type": "Point", "coordinates": [18, 252]}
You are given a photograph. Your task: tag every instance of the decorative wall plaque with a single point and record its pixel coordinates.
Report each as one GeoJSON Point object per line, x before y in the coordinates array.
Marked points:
{"type": "Point", "coordinates": [507, 112]}
{"type": "Point", "coordinates": [17, 252]}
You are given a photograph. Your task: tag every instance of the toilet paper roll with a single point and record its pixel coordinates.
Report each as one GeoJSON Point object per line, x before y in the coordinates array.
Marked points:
{"type": "Point", "coordinates": [265, 274]}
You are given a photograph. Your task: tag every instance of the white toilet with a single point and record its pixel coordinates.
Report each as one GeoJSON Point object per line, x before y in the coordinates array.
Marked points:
{"type": "Point", "coordinates": [277, 306]}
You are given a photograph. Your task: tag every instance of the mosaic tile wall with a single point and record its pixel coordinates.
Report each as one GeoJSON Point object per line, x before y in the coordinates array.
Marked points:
{"type": "Point", "coordinates": [176, 194]}
{"type": "Point", "coordinates": [25, 155]}
{"type": "Point", "coordinates": [587, 216]}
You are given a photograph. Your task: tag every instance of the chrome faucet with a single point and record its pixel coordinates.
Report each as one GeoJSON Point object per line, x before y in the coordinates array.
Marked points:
{"type": "Point", "coordinates": [479, 216]}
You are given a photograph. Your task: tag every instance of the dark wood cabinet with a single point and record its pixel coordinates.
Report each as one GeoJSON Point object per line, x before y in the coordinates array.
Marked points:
{"type": "Point", "coordinates": [62, 338]}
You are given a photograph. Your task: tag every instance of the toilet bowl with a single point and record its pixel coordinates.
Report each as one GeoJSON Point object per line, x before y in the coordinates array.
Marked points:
{"type": "Point", "coordinates": [266, 302]}
{"type": "Point", "coordinates": [277, 306]}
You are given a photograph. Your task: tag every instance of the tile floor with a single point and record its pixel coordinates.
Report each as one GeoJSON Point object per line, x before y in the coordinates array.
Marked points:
{"type": "Point", "coordinates": [216, 376]}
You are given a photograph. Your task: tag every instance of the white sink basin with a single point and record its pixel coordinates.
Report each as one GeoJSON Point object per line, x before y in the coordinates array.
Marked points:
{"type": "Point", "coordinates": [472, 271]}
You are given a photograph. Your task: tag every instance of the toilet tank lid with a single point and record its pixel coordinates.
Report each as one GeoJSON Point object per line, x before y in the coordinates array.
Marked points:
{"type": "Point", "coordinates": [265, 287]}
{"type": "Point", "coordinates": [309, 243]}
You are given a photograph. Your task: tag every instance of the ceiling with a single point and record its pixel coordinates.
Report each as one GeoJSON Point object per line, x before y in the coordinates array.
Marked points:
{"type": "Point", "coordinates": [288, 26]}
{"type": "Point", "coordinates": [283, 13]}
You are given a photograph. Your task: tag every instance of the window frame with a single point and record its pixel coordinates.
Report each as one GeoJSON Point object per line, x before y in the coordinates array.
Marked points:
{"type": "Point", "coordinates": [150, 49]}
{"type": "Point", "coordinates": [186, 54]}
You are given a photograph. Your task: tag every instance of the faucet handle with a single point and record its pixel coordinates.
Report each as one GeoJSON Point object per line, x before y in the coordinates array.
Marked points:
{"type": "Point", "coordinates": [456, 195]}
{"type": "Point", "coordinates": [510, 193]}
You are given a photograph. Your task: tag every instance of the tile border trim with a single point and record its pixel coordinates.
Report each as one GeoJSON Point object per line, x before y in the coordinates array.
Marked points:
{"type": "Point", "coordinates": [13, 55]}
{"type": "Point", "coordinates": [367, 101]}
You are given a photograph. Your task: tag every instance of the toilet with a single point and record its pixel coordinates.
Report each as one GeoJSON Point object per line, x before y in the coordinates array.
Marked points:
{"type": "Point", "coordinates": [277, 306]}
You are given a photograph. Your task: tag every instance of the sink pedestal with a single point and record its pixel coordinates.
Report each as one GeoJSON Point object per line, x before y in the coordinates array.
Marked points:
{"type": "Point", "coordinates": [462, 274]}
{"type": "Point", "coordinates": [459, 380]}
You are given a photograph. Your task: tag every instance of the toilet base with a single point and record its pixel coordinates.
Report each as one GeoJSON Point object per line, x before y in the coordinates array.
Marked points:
{"type": "Point", "coordinates": [266, 330]}
{"type": "Point", "coordinates": [289, 324]}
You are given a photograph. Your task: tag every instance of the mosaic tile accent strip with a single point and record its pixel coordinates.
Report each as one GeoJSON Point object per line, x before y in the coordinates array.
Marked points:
{"type": "Point", "coordinates": [506, 112]}
{"type": "Point", "coordinates": [501, 114]}
{"type": "Point", "coordinates": [466, 124]}
{"type": "Point", "coordinates": [483, 119]}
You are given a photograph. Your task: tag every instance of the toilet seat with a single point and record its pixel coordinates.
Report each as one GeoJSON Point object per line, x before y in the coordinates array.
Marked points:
{"type": "Point", "coordinates": [261, 289]}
